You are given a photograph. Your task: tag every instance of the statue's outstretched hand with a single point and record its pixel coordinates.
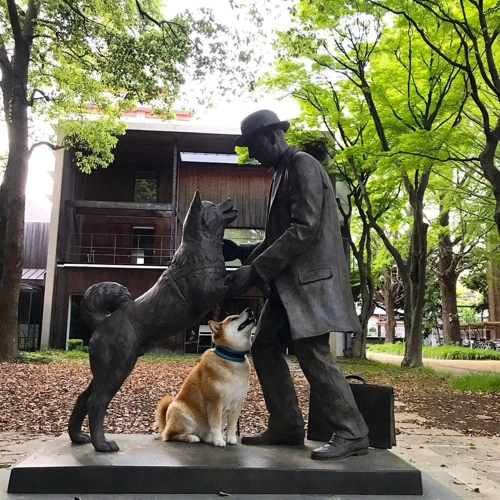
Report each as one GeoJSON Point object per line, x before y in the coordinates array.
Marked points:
{"type": "Point", "coordinates": [230, 250]}
{"type": "Point", "coordinates": [240, 280]}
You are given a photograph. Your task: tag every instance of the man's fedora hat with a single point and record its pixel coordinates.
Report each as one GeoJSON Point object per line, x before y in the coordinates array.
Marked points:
{"type": "Point", "coordinates": [258, 122]}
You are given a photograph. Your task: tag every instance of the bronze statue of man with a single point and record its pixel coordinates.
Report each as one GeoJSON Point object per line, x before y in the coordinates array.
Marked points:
{"type": "Point", "coordinates": [302, 261]}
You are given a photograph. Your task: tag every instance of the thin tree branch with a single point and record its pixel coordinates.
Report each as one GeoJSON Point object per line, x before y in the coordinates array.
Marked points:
{"type": "Point", "coordinates": [43, 96]}
{"type": "Point", "coordinates": [43, 143]}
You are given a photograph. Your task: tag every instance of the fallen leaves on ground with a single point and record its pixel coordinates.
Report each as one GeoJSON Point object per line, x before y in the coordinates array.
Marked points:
{"type": "Point", "coordinates": [38, 399]}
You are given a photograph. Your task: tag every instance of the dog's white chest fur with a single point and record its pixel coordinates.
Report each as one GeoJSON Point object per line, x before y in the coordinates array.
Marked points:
{"type": "Point", "coordinates": [235, 388]}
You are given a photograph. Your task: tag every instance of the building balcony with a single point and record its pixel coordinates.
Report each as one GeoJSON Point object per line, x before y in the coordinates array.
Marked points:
{"type": "Point", "coordinates": [87, 207]}
{"type": "Point", "coordinates": [120, 249]}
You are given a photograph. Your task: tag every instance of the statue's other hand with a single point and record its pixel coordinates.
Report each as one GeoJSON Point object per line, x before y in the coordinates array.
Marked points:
{"type": "Point", "coordinates": [230, 250]}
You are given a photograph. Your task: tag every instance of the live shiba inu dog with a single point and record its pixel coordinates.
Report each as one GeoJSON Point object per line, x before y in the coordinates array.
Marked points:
{"type": "Point", "coordinates": [213, 393]}
{"type": "Point", "coordinates": [125, 328]}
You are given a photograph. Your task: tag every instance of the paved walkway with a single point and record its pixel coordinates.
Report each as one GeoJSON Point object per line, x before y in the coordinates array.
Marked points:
{"type": "Point", "coordinates": [457, 366]}
{"type": "Point", "coordinates": [468, 466]}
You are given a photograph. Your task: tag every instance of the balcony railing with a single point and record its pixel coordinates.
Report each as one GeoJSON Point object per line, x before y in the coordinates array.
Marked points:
{"type": "Point", "coordinates": [128, 249]}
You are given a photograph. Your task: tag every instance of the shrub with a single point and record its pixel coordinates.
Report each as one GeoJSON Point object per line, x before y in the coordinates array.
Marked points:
{"type": "Point", "coordinates": [75, 344]}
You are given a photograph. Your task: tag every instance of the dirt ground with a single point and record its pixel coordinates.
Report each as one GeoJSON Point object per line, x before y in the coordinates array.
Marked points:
{"type": "Point", "coordinates": [38, 398]}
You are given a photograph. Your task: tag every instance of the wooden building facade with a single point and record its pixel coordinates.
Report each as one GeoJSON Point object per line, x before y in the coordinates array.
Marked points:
{"type": "Point", "coordinates": [30, 307]}
{"type": "Point", "coordinates": [124, 223]}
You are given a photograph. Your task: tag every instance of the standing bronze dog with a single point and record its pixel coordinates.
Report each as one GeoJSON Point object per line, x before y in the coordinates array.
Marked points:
{"type": "Point", "coordinates": [125, 328]}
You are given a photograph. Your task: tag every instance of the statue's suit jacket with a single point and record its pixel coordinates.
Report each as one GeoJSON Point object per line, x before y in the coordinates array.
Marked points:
{"type": "Point", "coordinates": [302, 252]}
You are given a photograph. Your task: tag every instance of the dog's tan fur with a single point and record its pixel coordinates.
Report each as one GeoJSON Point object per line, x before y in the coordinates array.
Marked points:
{"type": "Point", "coordinates": [213, 393]}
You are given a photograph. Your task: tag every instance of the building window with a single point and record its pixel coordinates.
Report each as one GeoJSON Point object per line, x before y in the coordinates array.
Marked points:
{"type": "Point", "coordinates": [146, 186]}
{"type": "Point", "coordinates": [143, 242]}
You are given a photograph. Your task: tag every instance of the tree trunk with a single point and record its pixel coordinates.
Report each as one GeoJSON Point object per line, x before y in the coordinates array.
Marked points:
{"type": "Point", "coordinates": [12, 231]}
{"type": "Point", "coordinates": [390, 322]}
{"type": "Point", "coordinates": [493, 278]}
{"type": "Point", "coordinates": [490, 170]}
{"type": "Point", "coordinates": [447, 265]}
{"type": "Point", "coordinates": [12, 203]}
{"type": "Point", "coordinates": [451, 323]}
{"type": "Point", "coordinates": [415, 283]}
{"type": "Point", "coordinates": [366, 284]}
{"type": "Point", "coordinates": [387, 292]}
{"type": "Point", "coordinates": [359, 338]}
{"type": "Point", "coordinates": [359, 343]}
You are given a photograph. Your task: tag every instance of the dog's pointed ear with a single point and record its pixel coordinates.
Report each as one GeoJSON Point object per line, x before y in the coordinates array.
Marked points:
{"type": "Point", "coordinates": [196, 205]}
{"type": "Point", "coordinates": [215, 327]}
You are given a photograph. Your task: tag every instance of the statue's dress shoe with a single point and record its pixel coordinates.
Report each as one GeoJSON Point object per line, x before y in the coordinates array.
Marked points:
{"type": "Point", "coordinates": [338, 448]}
{"type": "Point", "coordinates": [294, 437]}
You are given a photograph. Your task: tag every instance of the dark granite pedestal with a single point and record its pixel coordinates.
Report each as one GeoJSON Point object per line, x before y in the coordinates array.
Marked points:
{"type": "Point", "coordinates": [146, 465]}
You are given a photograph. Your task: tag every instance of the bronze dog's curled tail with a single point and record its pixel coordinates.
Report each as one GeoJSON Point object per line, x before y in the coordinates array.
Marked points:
{"type": "Point", "coordinates": [161, 412]}
{"type": "Point", "coordinates": [101, 300]}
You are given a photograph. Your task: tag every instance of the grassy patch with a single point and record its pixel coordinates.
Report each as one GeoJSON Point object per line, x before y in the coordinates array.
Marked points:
{"type": "Point", "coordinates": [389, 374]}
{"type": "Point", "coordinates": [156, 357]}
{"type": "Point", "coordinates": [439, 352]}
{"type": "Point", "coordinates": [55, 356]}
{"type": "Point", "coordinates": [477, 382]}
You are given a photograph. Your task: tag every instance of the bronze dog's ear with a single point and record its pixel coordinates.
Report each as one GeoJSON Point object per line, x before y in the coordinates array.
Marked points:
{"type": "Point", "coordinates": [196, 205]}
{"type": "Point", "coordinates": [216, 328]}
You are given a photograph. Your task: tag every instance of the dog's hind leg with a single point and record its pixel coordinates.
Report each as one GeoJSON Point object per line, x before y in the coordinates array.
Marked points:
{"type": "Point", "coordinates": [182, 437]}
{"type": "Point", "coordinates": [78, 416]}
{"type": "Point", "coordinates": [105, 386]}
{"type": "Point", "coordinates": [190, 438]}
{"type": "Point", "coordinates": [180, 427]}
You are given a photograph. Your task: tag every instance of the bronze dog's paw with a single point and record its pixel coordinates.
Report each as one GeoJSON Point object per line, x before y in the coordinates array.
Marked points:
{"type": "Point", "coordinates": [81, 438]}
{"type": "Point", "coordinates": [106, 446]}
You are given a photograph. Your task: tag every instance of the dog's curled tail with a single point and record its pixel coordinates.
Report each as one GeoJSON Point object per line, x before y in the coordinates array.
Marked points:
{"type": "Point", "coordinates": [161, 412]}
{"type": "Point", "coordinates": [101, 300]}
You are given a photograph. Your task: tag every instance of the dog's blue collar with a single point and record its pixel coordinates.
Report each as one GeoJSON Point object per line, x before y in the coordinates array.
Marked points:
{"type": "Point", "coordinates": [230, 354]}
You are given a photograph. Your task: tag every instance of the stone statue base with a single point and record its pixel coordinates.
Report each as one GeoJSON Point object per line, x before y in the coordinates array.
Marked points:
{"type": "Point", "coordinates": [147, 465]}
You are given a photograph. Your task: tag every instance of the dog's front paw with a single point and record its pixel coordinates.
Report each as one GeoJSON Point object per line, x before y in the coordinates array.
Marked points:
{"type": "Point", "coordinates": [106, 446]}
{"type": "Point", "coordinates": [232, 440]}
{"type": "Point", "coordinates": [219, 441]}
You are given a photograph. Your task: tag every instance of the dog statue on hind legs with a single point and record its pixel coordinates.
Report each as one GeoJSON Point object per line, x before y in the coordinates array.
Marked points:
{"type": "Point", "coordinates": [125, 328]}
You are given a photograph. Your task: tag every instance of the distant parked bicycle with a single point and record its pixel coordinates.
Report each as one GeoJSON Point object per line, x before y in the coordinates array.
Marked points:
{"type": "Point", "coordinates": [481, 344]}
